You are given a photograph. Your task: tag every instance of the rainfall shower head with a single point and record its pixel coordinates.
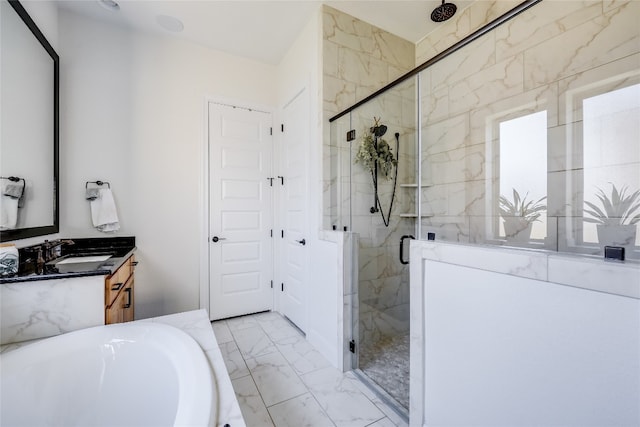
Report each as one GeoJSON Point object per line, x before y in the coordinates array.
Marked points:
{"type": "Point", "coordinates": [443, 12]}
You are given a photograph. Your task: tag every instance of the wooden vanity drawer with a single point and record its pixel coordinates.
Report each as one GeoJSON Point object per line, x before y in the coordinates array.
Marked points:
{"type": "Point", "coordinates": [117, 281]}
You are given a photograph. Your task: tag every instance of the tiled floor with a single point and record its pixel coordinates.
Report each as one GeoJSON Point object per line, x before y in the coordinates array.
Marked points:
{"type": "Point", "coordinates": [281, 380]}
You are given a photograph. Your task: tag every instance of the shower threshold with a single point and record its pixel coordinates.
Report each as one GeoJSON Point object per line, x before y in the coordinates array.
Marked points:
{"type": "Point", "coordinates": [392, 403]}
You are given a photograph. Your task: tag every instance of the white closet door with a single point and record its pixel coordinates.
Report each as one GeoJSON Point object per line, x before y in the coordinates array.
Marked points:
{"type": "Point", "coordinates": [241, 211]}
{"type": "Point", "coordinates": [293, 248]}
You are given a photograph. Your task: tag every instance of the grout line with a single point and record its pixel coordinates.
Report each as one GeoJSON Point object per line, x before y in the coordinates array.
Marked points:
{"type": "Point", "coordinates": [298, 376]}
{"type": "Point", "coordinates": [262, 399]}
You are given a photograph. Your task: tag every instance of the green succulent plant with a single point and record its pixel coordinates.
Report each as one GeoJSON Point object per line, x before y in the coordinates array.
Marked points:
{"type": "Point", "coordinates": [528, 210]}
{"type": "Point", "coordinates": [617, 208]}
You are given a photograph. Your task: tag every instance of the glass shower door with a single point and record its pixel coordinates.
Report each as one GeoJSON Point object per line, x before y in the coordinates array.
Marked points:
{"type": "Point", "coordinates": [383, 209]}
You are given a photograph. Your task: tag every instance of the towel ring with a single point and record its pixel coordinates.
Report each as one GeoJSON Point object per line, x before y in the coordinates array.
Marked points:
{"type": "Point", "coordinates": [98, 183]}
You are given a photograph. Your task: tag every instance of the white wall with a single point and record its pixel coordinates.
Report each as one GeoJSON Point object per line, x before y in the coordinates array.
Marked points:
{"type": "Point", "coordinates": [45, 15]}
{"type": "Point", "coordinates": [133, 114]}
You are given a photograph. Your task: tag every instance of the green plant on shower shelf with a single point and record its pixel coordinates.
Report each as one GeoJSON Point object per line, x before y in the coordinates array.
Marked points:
{"type": "Point", "coordinates": [375, 151]}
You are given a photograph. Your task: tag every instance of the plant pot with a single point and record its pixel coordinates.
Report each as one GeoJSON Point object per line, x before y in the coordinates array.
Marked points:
{"type": "Point", "coordinates": [617, 235]}
{"type": "Point", "coordinates": [517, 229]}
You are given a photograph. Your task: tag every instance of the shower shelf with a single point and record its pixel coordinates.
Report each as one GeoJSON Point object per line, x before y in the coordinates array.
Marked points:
{"type": "Point", "coordinates": [414, 185]}
{"type": "Point", "coordinates": [412, 215]}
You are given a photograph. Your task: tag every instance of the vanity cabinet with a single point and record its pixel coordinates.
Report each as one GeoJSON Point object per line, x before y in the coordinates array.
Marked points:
{"type": "Point", "coordinates": [119, 293]}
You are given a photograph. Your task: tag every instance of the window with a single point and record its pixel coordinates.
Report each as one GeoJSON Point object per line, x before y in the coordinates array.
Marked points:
{"type": "Point", "coordinates": [522, 184]}
{"type": "Point", "coordinates": [611, 148]}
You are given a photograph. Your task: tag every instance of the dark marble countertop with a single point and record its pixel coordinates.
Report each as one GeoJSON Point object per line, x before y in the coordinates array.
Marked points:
{"type": "Point", "coordinates": [118, 248]}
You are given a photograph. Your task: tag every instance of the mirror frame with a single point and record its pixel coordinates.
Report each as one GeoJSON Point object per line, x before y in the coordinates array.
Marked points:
{"type": "Point", "coordinates": [23, 233]}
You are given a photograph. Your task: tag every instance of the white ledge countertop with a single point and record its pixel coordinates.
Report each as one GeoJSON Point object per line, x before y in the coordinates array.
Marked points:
{"type": "Point", "coordinates": [196, 323]}
{"type": "Point", "coordinates": [596, 274]}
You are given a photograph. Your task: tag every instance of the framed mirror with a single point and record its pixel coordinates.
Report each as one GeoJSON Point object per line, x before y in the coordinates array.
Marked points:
{"type": "Point", "coordinates": [29, 120]}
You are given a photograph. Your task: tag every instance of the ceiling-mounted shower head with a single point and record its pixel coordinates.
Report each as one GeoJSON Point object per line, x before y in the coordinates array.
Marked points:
{"type": "Point", "coordinates": [443, 12]}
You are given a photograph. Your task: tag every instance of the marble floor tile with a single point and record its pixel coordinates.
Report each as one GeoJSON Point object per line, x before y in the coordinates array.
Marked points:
{"type": "Point", "coordinates": [393, 416]}
{"type": "Point", "coordinates": [301, 355]}
{"type": "Point", "coordinates": [280, 379]}
{"type": "Point", "coordinates": [301, 411]}
{"type": "Point", "coordinates": [221, 331]}
{"type": "Point", "coordinates": [253, 342]}
{"type": "Point", "coordinates": [341, 399]}
{"type": "Point", "coordinates": [253, 410]}
{"type": "Point", "coordinates": [278, 328]}
{"type": "Point", "coordinates": [275, 379]}
{"type": "Point", "coordinates": [385, 422]}
{"type": "Point", "coordinates": [233, 360]}
{"type": "Point", "coordinates": [243, 322]}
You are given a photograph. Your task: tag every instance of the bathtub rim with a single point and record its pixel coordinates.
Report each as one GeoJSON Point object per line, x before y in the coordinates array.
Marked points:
{"type": "Point", "coordinates": [193, 406]}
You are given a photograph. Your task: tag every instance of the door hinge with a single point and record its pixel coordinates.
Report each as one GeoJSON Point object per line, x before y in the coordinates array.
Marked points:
{"type": "Point", "coordinates": [270, 131]}
{"type": "Point", "coordinates": [282, 127]}
{"type": "Point", "coordinates": [352, 346]}
{"type": "Point", "coordinates": [281, 287]}
{"type": "Point", "coordinates": [271, 234]}
{"type": "Point", "coordinates": [272, 284]}
{"type": "Point", "coordinates": [282, 234]}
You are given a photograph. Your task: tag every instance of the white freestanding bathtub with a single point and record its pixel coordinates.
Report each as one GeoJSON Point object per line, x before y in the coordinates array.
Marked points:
{"type": "Point", "coordinates": [135, 374]}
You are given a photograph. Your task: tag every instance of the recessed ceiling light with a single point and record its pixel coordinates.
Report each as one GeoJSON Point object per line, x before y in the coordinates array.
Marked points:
{"type": "Point", "coordinates": [109, 5]}
{"type": "Point", "coordinates": [170, 23]}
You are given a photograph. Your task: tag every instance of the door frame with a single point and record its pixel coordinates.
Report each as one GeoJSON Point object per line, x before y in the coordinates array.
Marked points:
{"type": "Point", "coordinates": [203, 202]}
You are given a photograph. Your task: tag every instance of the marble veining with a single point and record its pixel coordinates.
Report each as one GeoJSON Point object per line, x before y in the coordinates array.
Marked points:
{"type": "Point", "coordinates": [46, 308]}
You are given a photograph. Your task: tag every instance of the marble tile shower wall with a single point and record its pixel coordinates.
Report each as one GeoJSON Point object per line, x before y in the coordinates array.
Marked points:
{"type": "Point", "coordinates": [542, 60]}
{"type": "Point", "coordinates": [383, 285]}
{"type": "Point", "coordinates": [359, 59]}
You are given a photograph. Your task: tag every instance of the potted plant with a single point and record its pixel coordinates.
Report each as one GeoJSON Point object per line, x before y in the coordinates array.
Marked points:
{"type": "Point", "coordinates": [616, 220]}
{"type": "Point", "coordinates": [519, 214]}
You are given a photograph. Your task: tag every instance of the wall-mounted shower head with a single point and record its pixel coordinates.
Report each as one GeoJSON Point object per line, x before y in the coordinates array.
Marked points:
{"type": "Point", "coordinates": [443, 12]}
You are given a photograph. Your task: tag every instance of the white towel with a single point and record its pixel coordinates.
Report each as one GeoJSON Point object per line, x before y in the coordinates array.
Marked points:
{"type": "Point", "coordinates": [103, 212]}
{"type": "Point", "coordinates": [8, 212]}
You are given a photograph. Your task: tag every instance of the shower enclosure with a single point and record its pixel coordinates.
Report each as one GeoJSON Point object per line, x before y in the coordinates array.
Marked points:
{"type": "Point", "coordinates": [500, 143]}
{"type": "Point", "coordinates": [380, 209]}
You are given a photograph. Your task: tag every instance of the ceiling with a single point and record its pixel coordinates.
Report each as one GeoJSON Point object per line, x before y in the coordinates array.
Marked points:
{"type": "Point", "coordinates": [262, 30]}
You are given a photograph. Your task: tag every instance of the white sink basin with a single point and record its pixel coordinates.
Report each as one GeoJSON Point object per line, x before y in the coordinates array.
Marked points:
{"type": "Point", "coordinates": [79, 259]}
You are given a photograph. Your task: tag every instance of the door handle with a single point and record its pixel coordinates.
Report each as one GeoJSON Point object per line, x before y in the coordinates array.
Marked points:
{"type": "Point", "coordinates": [128, 304]}
{"type": "Point", "coordinates": [302, 242]}
{"type": "Point", "coordinates": [215, 239]}
{"type": "Point", "coordinates": [406, 236]}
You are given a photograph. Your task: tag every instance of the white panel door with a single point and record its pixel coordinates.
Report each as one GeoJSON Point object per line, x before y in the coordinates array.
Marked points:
{"type": "Point", "coordinates": [241, 211]}
{"type": "Point", "coordinates": [293, 210]}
